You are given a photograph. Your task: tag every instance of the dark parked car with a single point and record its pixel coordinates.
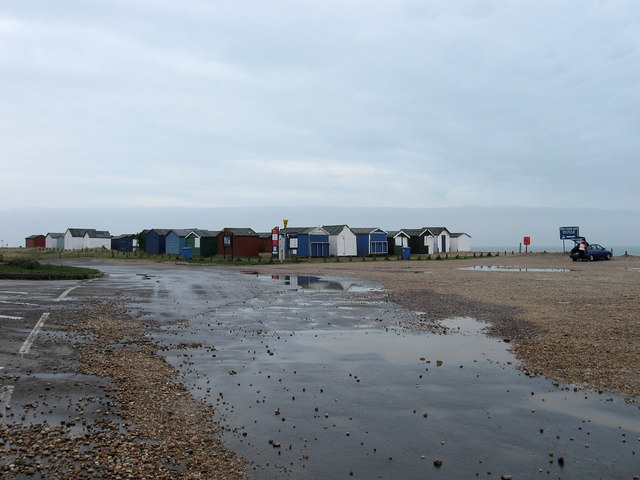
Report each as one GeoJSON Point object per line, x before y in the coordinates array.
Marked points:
{"type": "Point", "coordinates": [594, 252]}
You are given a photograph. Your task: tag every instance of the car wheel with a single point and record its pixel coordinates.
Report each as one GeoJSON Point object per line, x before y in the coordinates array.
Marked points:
{"type": "Point", "coordinates": [608, 256]}
{"type": "Point", "coordinates": [591, 258]}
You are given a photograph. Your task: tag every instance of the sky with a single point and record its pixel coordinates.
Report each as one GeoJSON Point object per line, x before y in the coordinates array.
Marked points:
{"type": "Point", "coordinates": [494, 117]}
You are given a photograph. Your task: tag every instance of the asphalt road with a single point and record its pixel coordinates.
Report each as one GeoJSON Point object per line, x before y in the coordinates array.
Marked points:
{"type": "Point", "coordinates": [36, 367]}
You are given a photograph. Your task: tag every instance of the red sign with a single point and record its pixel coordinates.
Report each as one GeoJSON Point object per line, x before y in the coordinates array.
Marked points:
{"type": "Point", "coordinates": [274, 240]}
{"type": "Point", "coordinates": [527, 240]}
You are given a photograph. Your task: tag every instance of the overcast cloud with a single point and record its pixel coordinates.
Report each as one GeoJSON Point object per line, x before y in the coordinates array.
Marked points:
{"type": "Point", "coordinates": [434, 104]}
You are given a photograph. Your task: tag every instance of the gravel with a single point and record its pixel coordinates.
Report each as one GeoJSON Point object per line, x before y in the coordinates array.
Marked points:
{"type": "Point", "coordinates": [152, 427]}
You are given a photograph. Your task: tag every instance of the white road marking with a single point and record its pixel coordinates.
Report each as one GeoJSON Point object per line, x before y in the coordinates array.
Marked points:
{"type": "Point", "coordinates": [11, 317]}
{"type": "Point", "coordinates": [26, 346]}
{"type": "Point", "coordinates": [5, 396]}
{"type": "Point", "coordinates": [19, 303]}
{"type": "Point", "coordinates": [65, 293]}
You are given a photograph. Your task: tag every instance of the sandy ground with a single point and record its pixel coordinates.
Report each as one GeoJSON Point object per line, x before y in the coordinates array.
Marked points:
{"type": "Point", "coordinates": [580, 326]}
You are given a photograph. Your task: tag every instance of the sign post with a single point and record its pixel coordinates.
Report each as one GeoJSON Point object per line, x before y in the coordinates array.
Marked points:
{"type": "Point", "coordinates": [568, 232]}
{"type": "Point", "coordinates": [293, 243]}
{"type": "Point", "coordinates": [282, 247]}
{"type": "Point", "coordinates": [527, 242]}
{"type": "Point", "coordinates": [227, 242]}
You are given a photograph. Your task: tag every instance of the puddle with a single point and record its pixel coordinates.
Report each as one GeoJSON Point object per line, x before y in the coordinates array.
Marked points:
{"type": "Point", "coordinates": [500, 268]}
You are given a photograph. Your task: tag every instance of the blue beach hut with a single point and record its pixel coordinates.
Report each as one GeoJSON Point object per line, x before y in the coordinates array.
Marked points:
{"type": "Point", "coordinates": [306, 241]}
{"type": "Point", "coordinates": [371, 241]}
{"type": "Point", "coordinates": [156, 239]}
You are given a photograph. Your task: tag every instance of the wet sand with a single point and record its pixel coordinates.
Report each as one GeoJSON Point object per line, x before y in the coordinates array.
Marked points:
{"type": "Point", "coordinates": [576, 322]}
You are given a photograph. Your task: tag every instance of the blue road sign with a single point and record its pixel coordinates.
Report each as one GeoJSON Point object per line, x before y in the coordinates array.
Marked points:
{"type": "Point", "coordinates": [569, 232]}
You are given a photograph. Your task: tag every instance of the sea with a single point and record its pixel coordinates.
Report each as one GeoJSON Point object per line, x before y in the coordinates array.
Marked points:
{"type": "Point", "coordinates": [616, 250]}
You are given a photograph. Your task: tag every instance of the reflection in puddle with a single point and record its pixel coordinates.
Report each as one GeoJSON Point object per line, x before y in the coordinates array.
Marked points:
{"type": "Point", "coordinates": [314, 283]}
{"type": "Point", "coordinates": [464, 346]}
{"type": "Point", "coordinates": [465, 325]}
{"type": "Point", "coordinates": [501, 268]}
{"type": "Point", "coordinates": [568, 404]}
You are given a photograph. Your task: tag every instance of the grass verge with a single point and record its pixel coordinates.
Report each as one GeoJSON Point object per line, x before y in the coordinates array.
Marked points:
{"type": "Point", "coordinates": [22, 268]}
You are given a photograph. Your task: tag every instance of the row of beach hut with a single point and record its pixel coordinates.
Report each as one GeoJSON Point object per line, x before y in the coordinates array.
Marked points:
{"type": "Point", "coordinates": [72, 239]}
{"type": "Point", "coordinates": [322, 241]}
